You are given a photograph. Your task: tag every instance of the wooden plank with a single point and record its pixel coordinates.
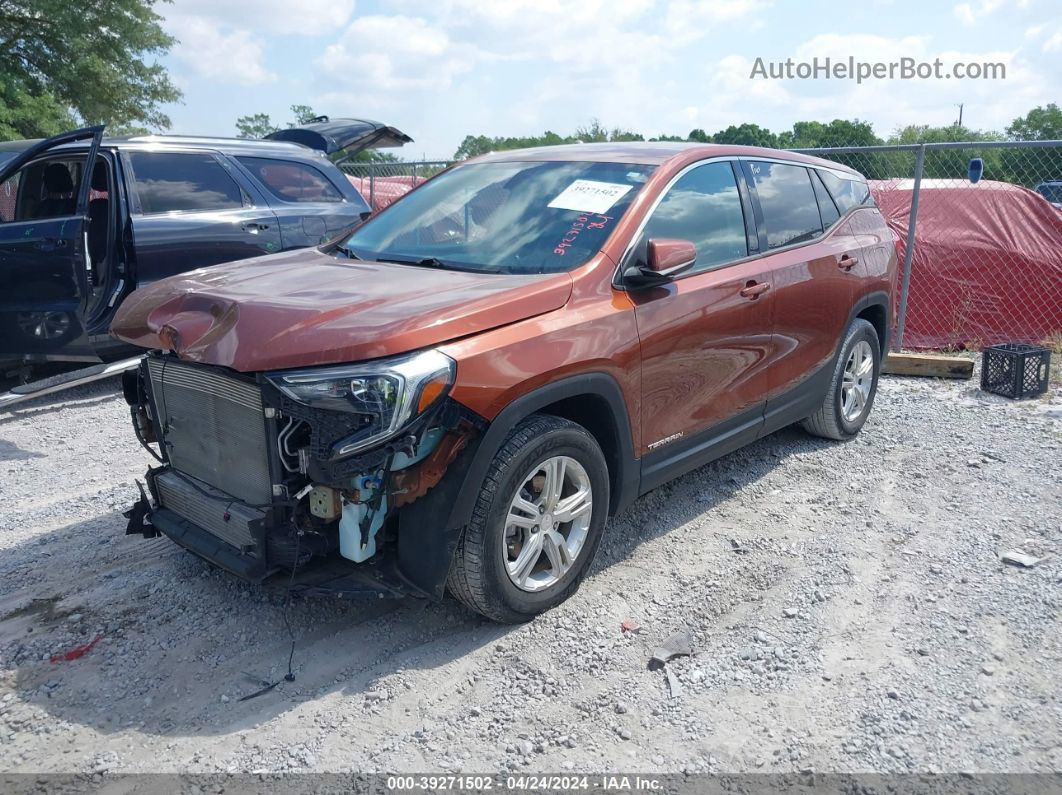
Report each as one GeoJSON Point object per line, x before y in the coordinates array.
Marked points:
{"type": "Point", "coordinates": [930, 365]}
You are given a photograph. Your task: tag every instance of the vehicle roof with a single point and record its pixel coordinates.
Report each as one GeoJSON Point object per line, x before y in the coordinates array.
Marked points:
{"type": "Point", "coordinates": [229, 146]}
{"type": "Point", "coordinates": [650, 153]}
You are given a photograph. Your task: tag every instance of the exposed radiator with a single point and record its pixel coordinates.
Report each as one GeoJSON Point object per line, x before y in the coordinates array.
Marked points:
{"type": "Point", "coordinates": [213, 428]}
{"type": "Point", "coordinates": [211, 509]}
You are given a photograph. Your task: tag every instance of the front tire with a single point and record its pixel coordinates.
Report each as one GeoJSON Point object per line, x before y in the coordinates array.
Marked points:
{"type": "Point", "coordinates": [537, 522]}
{"type": "Point", "coordinates": [853, 386]}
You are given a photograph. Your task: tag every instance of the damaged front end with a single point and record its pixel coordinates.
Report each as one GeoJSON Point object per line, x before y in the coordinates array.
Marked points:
{"type": "Point", "coordinates": [317, 474]}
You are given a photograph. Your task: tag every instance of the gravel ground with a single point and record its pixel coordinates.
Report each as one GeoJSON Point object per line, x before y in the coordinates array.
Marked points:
{"type": "Point", "coordinates": [847, 603]}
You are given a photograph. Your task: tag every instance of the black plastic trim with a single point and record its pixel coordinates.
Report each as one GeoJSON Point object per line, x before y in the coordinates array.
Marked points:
{"type": "Point", "coordinates": [684, 455]}
{"type": "Point", "coordinates": [596, 384]}
{"type": "Point", "coordinates": [200, 542]}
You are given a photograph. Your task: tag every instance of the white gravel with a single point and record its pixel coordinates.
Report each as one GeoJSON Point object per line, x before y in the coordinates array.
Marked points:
{"type": "Point", "coordinates": [847, 603]}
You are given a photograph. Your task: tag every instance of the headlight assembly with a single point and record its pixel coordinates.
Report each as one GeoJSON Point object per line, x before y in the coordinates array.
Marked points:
{"type": "Point", "coordinates": [384, 395]}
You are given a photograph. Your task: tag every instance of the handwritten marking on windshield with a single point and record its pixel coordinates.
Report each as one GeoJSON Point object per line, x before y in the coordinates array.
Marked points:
{"type": "Point", "coordinates": [583, 222]}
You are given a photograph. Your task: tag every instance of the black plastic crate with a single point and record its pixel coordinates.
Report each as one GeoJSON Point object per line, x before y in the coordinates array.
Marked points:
{"type": "Point", "coordinates": [1015, 370]}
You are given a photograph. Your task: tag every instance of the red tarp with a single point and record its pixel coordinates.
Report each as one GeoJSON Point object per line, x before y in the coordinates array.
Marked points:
{"type": "Point", "coordinates": [987, 264]}
{"type": "Point", "coordinates": [384, 190]}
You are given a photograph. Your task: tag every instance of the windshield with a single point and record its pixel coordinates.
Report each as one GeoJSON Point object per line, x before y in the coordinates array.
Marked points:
{"type": "Point", "coordinates": [529, 217]}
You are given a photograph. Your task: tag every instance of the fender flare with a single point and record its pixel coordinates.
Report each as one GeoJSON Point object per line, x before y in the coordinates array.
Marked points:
{"type": "Point", "coordinates": [878, 298]}
{"type": "Point", "coordinates": [430, 528]}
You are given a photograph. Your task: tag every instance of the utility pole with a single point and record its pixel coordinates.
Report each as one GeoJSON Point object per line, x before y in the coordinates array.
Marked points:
{"type": "Point", "coordinates": [959, 122]}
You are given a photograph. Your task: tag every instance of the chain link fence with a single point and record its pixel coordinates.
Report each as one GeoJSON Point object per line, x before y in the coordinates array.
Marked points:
{"type": "Point", "coordinates": [986, 262]}
{"type": "Point", "coordinates": [383, 182]}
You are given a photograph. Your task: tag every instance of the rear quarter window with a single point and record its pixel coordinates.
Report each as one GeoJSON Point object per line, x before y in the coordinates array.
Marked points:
{"type": "Point", "coordinates": [790, 209]}
{"type": "Point", "coordinates": [848, 193]}
{"type": "Point", "coordinates": [290, 181]}
{"type": "Point", "coordinates": [177, 181]}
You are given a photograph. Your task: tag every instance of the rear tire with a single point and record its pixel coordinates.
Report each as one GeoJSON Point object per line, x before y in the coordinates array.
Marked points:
{"type": "Point", "coordinates": [529, 545]}
{"type": "Point", "coordinates": [853, 386]}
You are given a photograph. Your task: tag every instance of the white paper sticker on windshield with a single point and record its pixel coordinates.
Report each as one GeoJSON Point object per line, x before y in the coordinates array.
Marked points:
{"type": "Point", "coordinates": [589, 196]}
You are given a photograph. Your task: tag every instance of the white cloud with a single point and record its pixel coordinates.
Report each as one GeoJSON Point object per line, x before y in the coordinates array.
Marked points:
{"type": "Point", "coordinates": [971, 13]}
{"type": "Point", "coordinates": [305, 17]}
{"type": "Point", "coordinates": [686, 21]}
{"type": "Point", "coordinates": [211, 51]}
{"type": "Point", "coordinates": [395, 53]}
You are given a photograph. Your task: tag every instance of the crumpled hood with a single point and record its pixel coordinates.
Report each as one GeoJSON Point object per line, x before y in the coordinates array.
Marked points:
{"type": "Point", "coordinates": [305, 308]}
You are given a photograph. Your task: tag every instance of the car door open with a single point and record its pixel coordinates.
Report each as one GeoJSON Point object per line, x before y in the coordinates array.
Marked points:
{"type": "Point", "coordinates": [44, 251]}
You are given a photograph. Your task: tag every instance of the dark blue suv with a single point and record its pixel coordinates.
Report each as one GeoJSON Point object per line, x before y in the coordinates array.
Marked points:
{"type": "Point", "coordinates": [85, 220]}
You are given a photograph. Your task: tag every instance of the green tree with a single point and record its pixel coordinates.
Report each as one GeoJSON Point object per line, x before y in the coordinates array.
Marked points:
{"type": "Point", "coordinates": [951, 163]}
{"type": "Point", "coordinates": [839, 132]}
{"type": "Point", "coordinates": [746, 135]}
{"type": "Point", "coordinates": [698, 135]}
{"type": "Point", "coordinates": [95, 62]}
{"type": "Point", "coordinates": [257, 125]}
{"type": "Point", "coordinates": [1039, 124]}
{"type": "Point", "coordinates": [1030, 167]}
{"type": "Point", "coordinates": [303, 114]}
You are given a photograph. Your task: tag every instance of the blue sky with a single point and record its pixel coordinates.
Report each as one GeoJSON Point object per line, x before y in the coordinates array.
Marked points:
{"type": "Point", "coordinates": [441, 69]}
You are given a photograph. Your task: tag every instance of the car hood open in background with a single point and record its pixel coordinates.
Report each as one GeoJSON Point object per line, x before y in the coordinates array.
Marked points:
{"type": "Point", "coordinates": [305, 308]}
{"type": "Point", "coordinates": [343, 135]}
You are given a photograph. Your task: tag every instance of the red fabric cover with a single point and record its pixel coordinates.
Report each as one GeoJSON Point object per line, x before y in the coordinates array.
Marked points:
{"type": "Point", "coordinates": [386, 189]}
{"type": "Point", "coordinates": [987, 265]}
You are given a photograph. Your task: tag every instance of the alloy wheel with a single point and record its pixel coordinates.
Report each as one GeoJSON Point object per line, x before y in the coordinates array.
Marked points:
{"type": "Point", "coordinates": [547, 523]}
{"type": "Point", "coordinates": [857, 381]}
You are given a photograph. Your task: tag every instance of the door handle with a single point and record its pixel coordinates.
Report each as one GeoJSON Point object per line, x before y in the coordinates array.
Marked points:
{"type": "Point", "coordinates": [846, 263]}
{"type": "Point", "coordinates": [50, 244]}
{"type": "Point", "coordinates": [254, 227]}
{"type": "Point", "coordinates": [754, 289]}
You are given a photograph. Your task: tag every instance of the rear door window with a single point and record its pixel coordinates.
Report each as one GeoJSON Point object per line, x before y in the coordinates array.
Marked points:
{"type": "Point", "coordinates": [704, 207]}
{"type": "Point", "coordinates": [848, 193]}
{"type": "Point", "coordinates": [292, 182]}
{"type": "Point", "coordinates": [790, 210]}
{"type": "Point", "coordinates": [169, 182]}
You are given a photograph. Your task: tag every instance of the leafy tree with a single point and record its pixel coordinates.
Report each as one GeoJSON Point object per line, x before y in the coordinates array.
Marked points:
{"type": "Point", "coordinates": [951, 163]}
{"type": "Point", "coordinates": [698, 135]}
{"type": "Point", "coordinates": [303, 114]}
{"type": "Point", "coordinates": [25, 115]}
{"type": "Point", "coordinates": [64, 63]}
{"type": "Point", "coordinates": [257, 125]}
{"type": "Point", "coordinates": [1039, 124]}
{"type": "Point", "coordinates": [746, 135]}
{"type": "Point", "coordinates": [1031, 168]}
{"type": "Point", "coordinates": [839, 132]}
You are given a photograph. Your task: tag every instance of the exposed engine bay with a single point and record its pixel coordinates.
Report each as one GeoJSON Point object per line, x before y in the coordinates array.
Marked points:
{"type": "Point", "coordinates": [301, 472]}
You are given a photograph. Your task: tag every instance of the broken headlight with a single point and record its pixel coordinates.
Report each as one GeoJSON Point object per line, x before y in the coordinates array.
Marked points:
{"type": "Point", "coordinates": [384, 395]}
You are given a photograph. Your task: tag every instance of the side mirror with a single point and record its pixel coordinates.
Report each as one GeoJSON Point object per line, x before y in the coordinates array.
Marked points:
{"type": "Point", "coordinates": [977, 169]}
{"type": "Point", "coordinates": [665, 259]}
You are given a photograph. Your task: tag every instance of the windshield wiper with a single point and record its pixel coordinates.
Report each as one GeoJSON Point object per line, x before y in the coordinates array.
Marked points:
{"type": "Point", "coordinates": [348, 252]}
{"type": "Point", "coordinates": [426, 262]}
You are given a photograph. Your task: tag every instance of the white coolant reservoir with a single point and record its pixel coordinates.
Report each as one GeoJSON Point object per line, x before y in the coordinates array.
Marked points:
{"type": "Point", "coordinates": [350, 531]}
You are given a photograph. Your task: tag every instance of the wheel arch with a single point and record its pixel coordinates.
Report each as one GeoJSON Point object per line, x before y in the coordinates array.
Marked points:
{"type": "Point", "coordinates": [874, 308]}
{"type": "Point", "coordinates": [430, 527]}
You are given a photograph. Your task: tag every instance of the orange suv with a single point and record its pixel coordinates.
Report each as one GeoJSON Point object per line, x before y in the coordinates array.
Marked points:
{"type": "Point", "coordinates": [457, 394]}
